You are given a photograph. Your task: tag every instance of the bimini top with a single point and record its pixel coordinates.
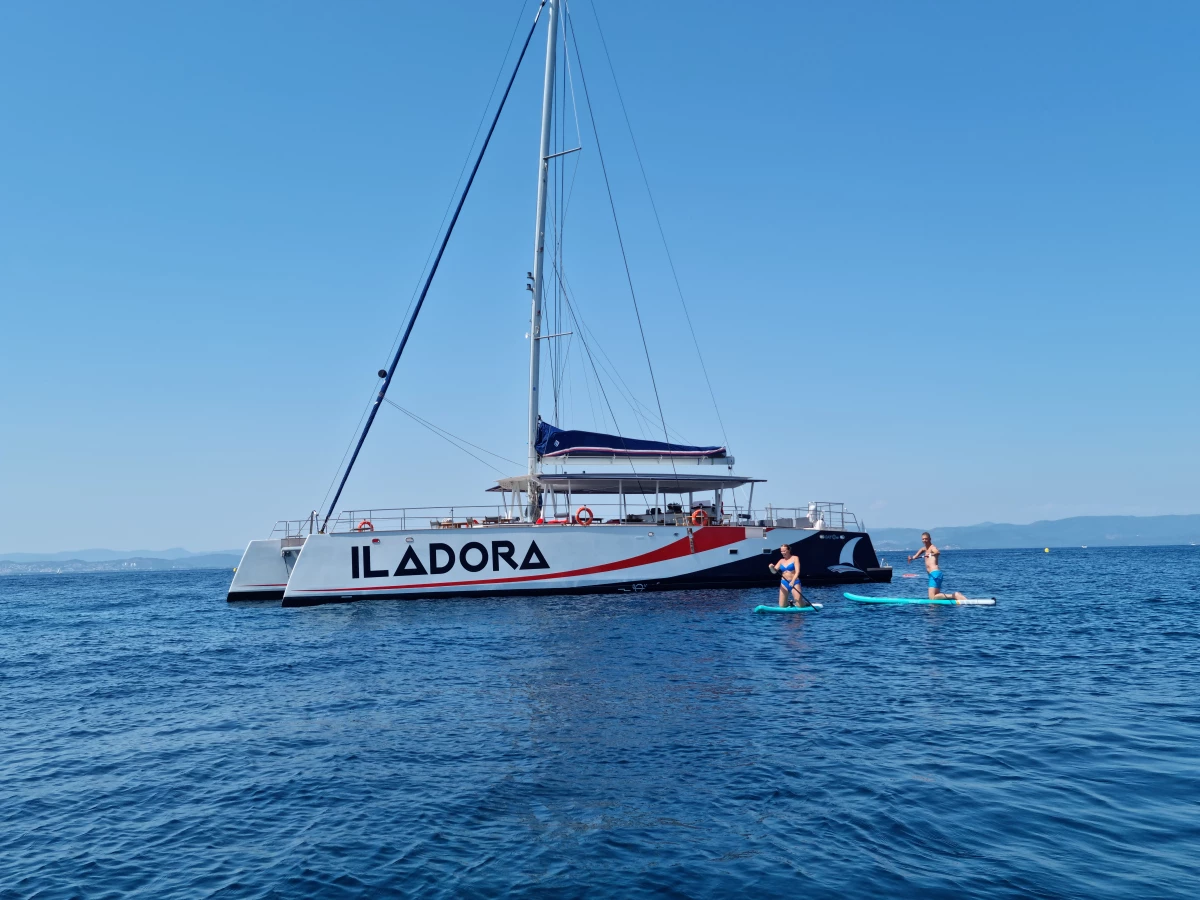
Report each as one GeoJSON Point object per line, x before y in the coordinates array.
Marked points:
{"type": "Point", "coordinates": [624, 483]}
{"type": "Point", "coordinates": [559, 445]}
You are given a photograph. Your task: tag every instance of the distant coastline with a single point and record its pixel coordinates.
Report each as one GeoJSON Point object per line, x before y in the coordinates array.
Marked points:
{"type": "Point", "coordinates": [68, 566]}
{"type": "Point", "coordinates": [1078, 531]}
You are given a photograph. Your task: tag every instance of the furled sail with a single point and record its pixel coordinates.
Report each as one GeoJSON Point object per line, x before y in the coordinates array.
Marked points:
{"type": "Point", "coordinates": [556, 442]}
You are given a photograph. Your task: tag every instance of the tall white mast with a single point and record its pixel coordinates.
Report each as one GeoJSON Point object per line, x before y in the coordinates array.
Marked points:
{"type": "Point", "coordinates": [539, 247]}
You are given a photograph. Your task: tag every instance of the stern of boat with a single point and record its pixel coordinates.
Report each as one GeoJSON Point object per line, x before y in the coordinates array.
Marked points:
{"type": "Point", "coordinates": [832, 557]}
{"type": "Point", "coordinates": [264, 570]}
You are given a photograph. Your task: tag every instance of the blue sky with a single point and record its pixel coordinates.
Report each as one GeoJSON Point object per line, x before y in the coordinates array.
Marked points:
{"type": "Point", "coordinates": [942, 258]}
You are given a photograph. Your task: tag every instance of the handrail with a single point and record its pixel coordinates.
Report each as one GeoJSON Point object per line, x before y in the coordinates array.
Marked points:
{"type": "Point", "coordinates": [823, 515]}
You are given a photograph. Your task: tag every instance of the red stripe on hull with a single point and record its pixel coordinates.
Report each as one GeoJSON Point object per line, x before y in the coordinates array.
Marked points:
{"type": "Point", "coordinates": [711, 538]}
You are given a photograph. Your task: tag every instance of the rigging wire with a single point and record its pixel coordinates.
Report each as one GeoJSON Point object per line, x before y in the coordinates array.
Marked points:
{"type": "Point", "coordinates": [433, 245]}
{"type": "Point", "coordinates": [461, 171]}
{"type": "Point", "coordinates": [556, 249]}
{"type": "Point", "coordinates": [658, 221]}
{"type": "Point", "coordinates": [643, 414]}
{"type": "Point", "coordinates": [349, 444]}
{"type": "Point", "coordinates": [617, 226]}
{"type": "Point", "coordinates": [558, 223]}
{"type": "Point", "coordinates": [588, 350]}
{"type": "Point", "coordinates": [450, 438]}
{"type": "Point", "coordinates": [390, 372]}
{"type": "Point", "coordinates": [558, 213]}
{"type": "Point", "coordinates": [599, 382]}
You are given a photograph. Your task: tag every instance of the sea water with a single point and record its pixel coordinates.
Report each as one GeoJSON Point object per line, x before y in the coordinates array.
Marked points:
{"type": "Point", "coordinates": [158, 742]}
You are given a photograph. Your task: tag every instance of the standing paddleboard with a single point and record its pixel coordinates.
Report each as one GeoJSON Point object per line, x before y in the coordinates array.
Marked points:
{"type": "Point", "coordinates": [983, 601]}
{"type": "Point", "coordinates": [788, 609]}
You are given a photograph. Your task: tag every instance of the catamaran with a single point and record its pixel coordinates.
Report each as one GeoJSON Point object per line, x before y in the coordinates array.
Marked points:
{"type": "Point", "coordinates": [626, 528]}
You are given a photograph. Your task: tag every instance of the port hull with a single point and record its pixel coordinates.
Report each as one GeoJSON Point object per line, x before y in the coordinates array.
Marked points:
{"type": "Point", "coordinates": [263, 572]}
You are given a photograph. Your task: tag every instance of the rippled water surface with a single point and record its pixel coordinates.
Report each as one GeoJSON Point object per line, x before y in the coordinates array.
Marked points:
{"type": "Point", "coordinates": [157, 741]}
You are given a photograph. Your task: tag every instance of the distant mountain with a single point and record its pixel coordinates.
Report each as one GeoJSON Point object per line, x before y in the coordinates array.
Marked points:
{"type": "Point", "coordinates": [1092, 531]}
{"type": "Point", "coordinates": [127, 564]}
{"type": "Point", "coordinates": [111, 555]}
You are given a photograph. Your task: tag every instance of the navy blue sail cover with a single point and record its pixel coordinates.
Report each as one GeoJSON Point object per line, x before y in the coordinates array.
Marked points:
{"type": "Point", "coordinates": [554, 442]}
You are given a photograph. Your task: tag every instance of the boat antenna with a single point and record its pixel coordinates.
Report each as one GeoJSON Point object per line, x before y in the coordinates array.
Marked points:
{"type": "Point", "coordinates": [391, 370]}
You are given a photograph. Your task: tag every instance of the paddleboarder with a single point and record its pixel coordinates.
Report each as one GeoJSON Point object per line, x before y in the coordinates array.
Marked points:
{"type": "Point", "coordinates": [933, 567]}
{"type": "Point", "coordinates": [788, 570]}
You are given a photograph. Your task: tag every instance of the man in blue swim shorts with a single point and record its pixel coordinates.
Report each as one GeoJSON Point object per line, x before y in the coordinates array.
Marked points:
{"type": "Point", "coordinates": [933, 567]}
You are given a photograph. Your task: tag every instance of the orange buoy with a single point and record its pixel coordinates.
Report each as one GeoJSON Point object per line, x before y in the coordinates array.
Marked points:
{"type": "Point", "coordinates": [584, 516]}
{"type": "Point", "coordinates": [365, 525]}
{"type": "Point", "coordinates": [700, 517]}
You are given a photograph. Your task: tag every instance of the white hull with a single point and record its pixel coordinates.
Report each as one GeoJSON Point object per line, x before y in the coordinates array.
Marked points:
{"type": "Point", "coordinates": [264, 571]}
{"type": "Point", "coordinates": [522, 559]}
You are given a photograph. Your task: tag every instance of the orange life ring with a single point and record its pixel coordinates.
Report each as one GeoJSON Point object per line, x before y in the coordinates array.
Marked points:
{"type": "Point", "coordinates": [579, 516]}
{"type": "Point", "coordinates": [700, 517]}
{"type": "Point", "coordinates": [365, 525]}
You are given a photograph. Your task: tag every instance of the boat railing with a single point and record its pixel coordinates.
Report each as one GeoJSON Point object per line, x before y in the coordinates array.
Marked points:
{"type": "Point", "coordinates": [409, 517]}
{"type": "Point", "coordinates": [290, 529]}
{"type": "Point", "coordinates": [820, 515]}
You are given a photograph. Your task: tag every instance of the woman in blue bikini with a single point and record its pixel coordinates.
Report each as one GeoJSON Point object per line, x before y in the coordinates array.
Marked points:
{"type": "Point", "coordinates": [788, 571]}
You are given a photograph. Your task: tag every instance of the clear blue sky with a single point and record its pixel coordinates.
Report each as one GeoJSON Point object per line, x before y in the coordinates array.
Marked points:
{"type": "Point", "coordinates": [944, 258]}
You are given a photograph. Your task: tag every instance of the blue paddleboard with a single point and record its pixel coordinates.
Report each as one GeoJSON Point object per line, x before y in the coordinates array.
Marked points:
{"type": "Point", "coordinates": [788, 609]}
{"type": "Point", "coordinates": [984, 601]}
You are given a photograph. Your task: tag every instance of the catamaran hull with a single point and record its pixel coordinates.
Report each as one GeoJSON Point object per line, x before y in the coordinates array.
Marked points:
{"type": "Point", "coordinates": [548, 559]}
{"type": "Point", "coordinates": [263, 572]}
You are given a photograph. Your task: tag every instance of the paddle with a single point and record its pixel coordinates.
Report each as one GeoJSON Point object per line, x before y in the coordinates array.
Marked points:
{"type": "Point", "coordinates": [807, 603]}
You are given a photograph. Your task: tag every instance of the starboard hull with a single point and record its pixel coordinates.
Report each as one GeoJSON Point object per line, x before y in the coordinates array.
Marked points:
{"type": "Point", "coordinates": [550, 559]}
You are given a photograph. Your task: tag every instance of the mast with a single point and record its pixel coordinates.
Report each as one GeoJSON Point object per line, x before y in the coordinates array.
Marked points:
{"type": "Point", "coordinates": [539, 246]}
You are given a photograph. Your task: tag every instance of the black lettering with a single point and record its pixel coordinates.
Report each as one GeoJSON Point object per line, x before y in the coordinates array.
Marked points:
{"type": "Point", "coordinates": [462, 556]}
{"type": "Point", "coordinates": [533, 558]}
{"type": "Point", "coordinates": [503, 550]}
{"type": "Point", "coordinates": [368, 572]}
{"type": "Point", "coordinates": [411, 564]}
{"type": "Point", "coordinates": [353, 562]}
{"type": "Point", "coordinates": [433, 554]}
